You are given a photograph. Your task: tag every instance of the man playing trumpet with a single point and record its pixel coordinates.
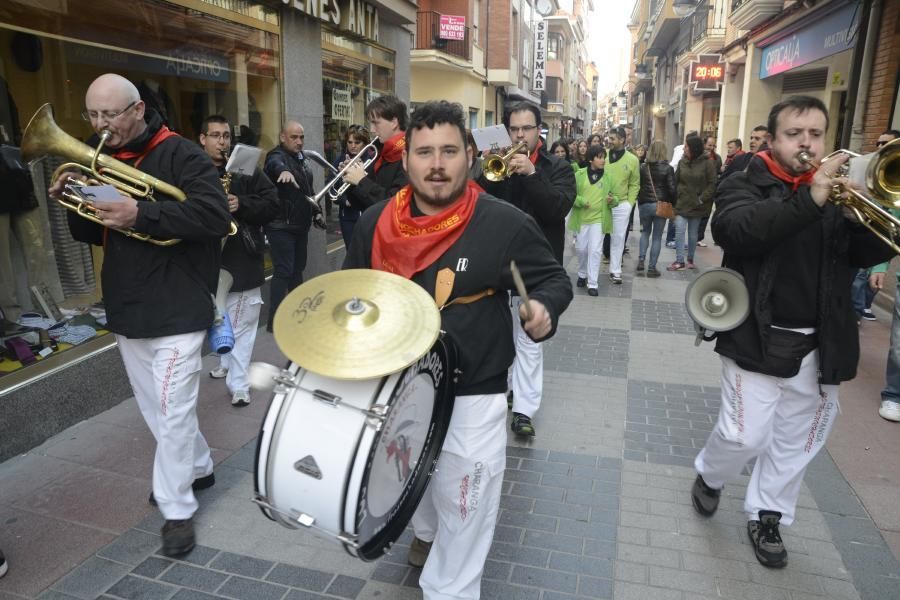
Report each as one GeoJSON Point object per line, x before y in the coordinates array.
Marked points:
{"type": "Point", "coordinates": [781, 367]}
{"type": "Point", "coordinates": [159, 300]}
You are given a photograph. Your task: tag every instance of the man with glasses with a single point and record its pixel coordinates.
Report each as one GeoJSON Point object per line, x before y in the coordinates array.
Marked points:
{"type": "Point", "coordinates": [543, 186]}
{"type": "Point", "coordinates": [288, 233]}
{"type": "Point", "coordinates": [159, 299]}
{"type": "Point", "coordinates": [384, 177]}
{"type": "Point", "coordinates": [252, 202]}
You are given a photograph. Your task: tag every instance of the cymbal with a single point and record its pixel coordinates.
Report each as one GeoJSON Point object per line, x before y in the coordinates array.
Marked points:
{"type": "Point", "coordinates": [356, 324]}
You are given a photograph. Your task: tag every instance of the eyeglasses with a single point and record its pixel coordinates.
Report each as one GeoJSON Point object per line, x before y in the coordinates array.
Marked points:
{"type": "Point", "coordinates": [216, 135]}
{"type": "Point", "coordinates": [523, 129]}
{"type": "Point", "coordinates": [93, 115]}
{"type": "Point", "coordinates": [879, 143]}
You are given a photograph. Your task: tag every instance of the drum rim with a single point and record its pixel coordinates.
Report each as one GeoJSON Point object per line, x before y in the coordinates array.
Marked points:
{"type": "Point", "coordinates": [415, 489]}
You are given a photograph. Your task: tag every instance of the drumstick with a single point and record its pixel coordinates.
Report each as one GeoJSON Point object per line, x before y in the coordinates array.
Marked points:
{"type": "Point", "coordinates": [520, 287]}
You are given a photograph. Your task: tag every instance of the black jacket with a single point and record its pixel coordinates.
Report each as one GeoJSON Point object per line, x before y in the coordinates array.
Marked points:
{"type": "Point", "coordinates": [153, 291]}
{"type": "Point", "coordinates": [375, 187]}
{"type": "Point", "coordinates": [663, 182]}
{"type": "Point", "coordinates": [257, 205]}
{"type": "Point", "coordinates": [482, 330]}
{"type": "Point", "coordinates": [756, 216]}
{"type": "Point", "coordinates": [548, 196]}
{"type": "Point", "coordinates": [296, 211]}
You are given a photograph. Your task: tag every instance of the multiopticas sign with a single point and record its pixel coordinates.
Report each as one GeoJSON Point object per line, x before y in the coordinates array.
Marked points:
{"type": "Point", "coordinates": [355, 16]}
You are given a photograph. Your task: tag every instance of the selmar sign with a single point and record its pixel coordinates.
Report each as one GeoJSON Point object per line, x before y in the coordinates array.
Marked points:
{"type": "Point", "coordinates": [355, 16]}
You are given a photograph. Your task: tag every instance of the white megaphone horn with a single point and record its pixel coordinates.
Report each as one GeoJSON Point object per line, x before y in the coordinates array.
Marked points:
{"type": "Point", "coordinates": [221, 334]}
{"type": "Point", "coordinates": [717, 300]}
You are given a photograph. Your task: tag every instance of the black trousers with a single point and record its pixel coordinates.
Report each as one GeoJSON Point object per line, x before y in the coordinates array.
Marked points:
{"type": "Point", "coordinates": [288, 248]}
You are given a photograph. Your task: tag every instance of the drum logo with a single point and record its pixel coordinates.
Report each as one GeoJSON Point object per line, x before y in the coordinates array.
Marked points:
{"type": "Point", "coordinates": [400, 451]}
{"type": "Point", "coordinates": [308, 305]}
{"type": "Point", "coordinates": [308, 466]}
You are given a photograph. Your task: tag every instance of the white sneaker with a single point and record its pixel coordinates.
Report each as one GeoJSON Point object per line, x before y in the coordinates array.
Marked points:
{"type": "Point", "coordinates": [240, 399]}
{"type": "Point", "coordinates": [218, 373]}
{"type": "Point", "coordinates": [890, 410]}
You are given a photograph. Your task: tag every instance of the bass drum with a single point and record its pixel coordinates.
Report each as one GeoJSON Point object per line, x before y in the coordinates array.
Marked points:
{"type": "Point", "coordinates": [350, 460]}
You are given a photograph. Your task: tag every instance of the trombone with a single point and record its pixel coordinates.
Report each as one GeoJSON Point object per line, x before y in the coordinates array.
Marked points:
{"type": "Point", "coordinates": [335, 192]}
{"type": "Point", "coordinates": [880, 172]}
{"type": "Point", "coordinates": [496, 166]}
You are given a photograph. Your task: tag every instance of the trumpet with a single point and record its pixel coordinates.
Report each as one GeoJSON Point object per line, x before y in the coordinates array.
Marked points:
{"type": "Point", "coordinates": [496, 166]}
{"type": "Point", "coordinates": [335, 192]}
{"type": "Point", "coordinates": [43, 136]}
{"type": "Point", "coordinates": [880, 173]}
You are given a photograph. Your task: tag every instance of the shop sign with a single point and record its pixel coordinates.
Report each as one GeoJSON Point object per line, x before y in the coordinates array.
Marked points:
{"type": "Point", "coordinates": [830, 35]}
{"type": "Point", "coordinates": [539, 82]}
{"type": "Point", "coordinates": [190, 63]}
{"type": "Point", "coordinates": [452, 28]}
{"type": "Point", "coordinates": [707, 73]}
{"type": "Point", "coordinates": [355, 16]}
{"type": "Point", "coordinates": [341, 107]}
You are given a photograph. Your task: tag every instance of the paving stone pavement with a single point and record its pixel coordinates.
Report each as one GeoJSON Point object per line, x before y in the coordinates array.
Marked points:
{"type": "Point", "coordinates": [595, 506]}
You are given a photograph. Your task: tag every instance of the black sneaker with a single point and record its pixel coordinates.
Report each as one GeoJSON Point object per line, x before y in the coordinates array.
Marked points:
{"type": "Point", "coordinates": [593, 292]}
{"type": "Point", "coordinates": [582, 282]}
{"type": "Point", "coordinates": [766, 539]}
{"type": "Point", "coordinates": [640, 266]}
{"type": "Point", "coordinates": [616, 279]}
{"type": "Point", "coordinates": [652, 272]}
{"type": "Point", "coordinates": [199, 484]}
{"type": "Point", "coordinates": [522, 425]}
{"type": "Point", "coordinates": [868, 315]}
{"type": "Point", "coordinates": [177, 537]}
{"type": "Point", "coordinates": [4, 566]}
{"type": "Point", "coordinates": [705, 498]}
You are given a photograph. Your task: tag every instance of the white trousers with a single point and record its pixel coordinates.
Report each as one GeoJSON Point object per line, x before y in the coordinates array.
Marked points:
{"type": "Point", "coordinates": [165, 375]}
{"type": "Point", "coordinates": [589, 248]}
{"type": "Point", "coordinates": [782, 422]}
{"type": "Point", "coordinates": [526, 376]}
{"type": "Point", "coordinates": [620, 215]}
{"type": "Point", "coordinates": [459, 511]}
{"type": "Point", "coordinates": [243, 310]}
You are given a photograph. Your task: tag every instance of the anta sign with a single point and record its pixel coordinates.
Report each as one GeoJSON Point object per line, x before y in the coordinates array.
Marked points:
{"type": "Point", "coordinates": [355, 16]}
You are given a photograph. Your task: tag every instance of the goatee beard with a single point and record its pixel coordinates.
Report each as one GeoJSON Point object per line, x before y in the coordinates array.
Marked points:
{"type": "Point", "coordinates": [440, 202]}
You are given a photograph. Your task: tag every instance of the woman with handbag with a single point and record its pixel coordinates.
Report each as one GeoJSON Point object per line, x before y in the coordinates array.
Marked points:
{"type": "Point", "coordinates": [695, 182]}
{"type": "Point", "coordinates": [655, 203]}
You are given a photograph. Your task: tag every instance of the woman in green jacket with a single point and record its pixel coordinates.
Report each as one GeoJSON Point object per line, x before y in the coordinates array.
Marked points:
{"type": "Point", "coordinates": [695, 183]}
{"type": "Point", "coordinates": [586, 218]}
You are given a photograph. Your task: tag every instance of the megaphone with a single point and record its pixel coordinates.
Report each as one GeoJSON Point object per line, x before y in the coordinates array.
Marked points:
{"type": "Point", "coordinates": [221, 334]}
{"type": "Point", "coordinates": [717, 300]}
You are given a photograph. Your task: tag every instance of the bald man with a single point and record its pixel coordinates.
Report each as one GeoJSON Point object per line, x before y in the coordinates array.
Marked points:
{"type": "Point", "coordinates": [159, 299]}
{"type": "Point", "coordinates": [288, 234]}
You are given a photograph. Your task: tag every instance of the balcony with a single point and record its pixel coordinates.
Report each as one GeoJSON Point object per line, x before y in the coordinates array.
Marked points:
{"type": "Point", "coordinates": [663, 26]}
{"type": "Point", "coordinates": [428, 27]}
{"type": "Point", "coordinates": [747, 14]}
{"type": "Point", "coordinates": [708, 27]}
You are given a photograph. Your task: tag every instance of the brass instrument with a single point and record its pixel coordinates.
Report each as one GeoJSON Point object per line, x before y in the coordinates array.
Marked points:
{"type": "Point", "coordinates": [43, 136]}
{"type": "Point", "coordinates": [335, 192]}
{"type": "Point", "coordinates": [226, 179]}
{"type": "Point", "coordinates": [880, 173]}
{"type": "Point", "coordinates": [496, 166]}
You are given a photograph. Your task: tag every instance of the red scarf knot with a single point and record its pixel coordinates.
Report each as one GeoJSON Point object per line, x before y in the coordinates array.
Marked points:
{"type": "Point", "coordinates": [405, 245]}
{"type": "Point", "coordinates": [391, 151]}
{"type": "Point", "coordinates": [778, 171]}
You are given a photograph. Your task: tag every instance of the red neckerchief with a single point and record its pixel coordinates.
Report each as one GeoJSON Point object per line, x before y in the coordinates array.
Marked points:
{"type": "Point", "coordinates": [159, 137]}
{"type": "Point", "coordinates": [728, 159]}
{"type": "Point", "coordinates": [392, 151]}
{"type": "Point", "coordinates": [534, 155]}
{"type": "Point", "coordinates": [404, 244]}
{"type": "Point", "coordinates": [776, 169]}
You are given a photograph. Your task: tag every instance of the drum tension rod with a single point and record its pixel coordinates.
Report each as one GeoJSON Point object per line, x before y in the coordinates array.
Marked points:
{"type": "Point", "coordinates": [307, 521]}
{"type": "Point", "coordinates": [377, 413]}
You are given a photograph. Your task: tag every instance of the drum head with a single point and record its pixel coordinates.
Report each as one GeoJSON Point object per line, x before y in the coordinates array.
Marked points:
{"type": "Point", "coordinates": [405, 451]}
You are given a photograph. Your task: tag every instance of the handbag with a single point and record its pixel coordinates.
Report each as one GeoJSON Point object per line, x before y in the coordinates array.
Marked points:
{"type": "Point", "coordinates": [663, 209]}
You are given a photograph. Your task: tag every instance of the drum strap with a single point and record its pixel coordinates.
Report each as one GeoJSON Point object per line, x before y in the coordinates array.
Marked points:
{"type": "Point", "coordinates": [444, 287]}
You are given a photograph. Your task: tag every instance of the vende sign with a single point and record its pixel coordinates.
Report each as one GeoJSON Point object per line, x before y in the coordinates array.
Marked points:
{"type": "Point", "coordinates": [452, 28]}
{"type": "Point", "coordinates": [539, 82]}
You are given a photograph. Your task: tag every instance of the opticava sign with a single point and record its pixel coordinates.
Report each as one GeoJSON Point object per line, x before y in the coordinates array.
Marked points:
{"type": "Point", "coordinates": [358, 16]}
{"type": "Point", "coordinates": [832, 34]}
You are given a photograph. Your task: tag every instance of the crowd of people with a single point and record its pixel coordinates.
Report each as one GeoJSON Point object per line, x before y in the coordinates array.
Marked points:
{"type": "Point", "coordinates": [417, 211]}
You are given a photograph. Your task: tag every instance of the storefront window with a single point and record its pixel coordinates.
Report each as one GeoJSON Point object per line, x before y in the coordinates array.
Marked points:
{"type": "Point", "coordinates": [354, 73]}
{"type": "Point", "coordinates": [187, 64]}
{"type": "Point", "coordinates": [710, 118]}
